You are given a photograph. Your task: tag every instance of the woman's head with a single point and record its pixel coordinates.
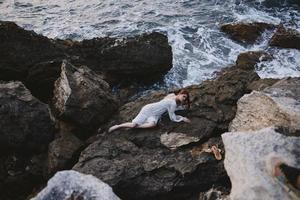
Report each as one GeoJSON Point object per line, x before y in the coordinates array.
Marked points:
{"type": "Point", "coordinates": [183, 97]}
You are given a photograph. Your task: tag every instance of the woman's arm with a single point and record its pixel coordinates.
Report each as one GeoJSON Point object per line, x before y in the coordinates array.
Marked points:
{"type": "Point", "coordinates": [173, 116]}
{"type": "Point", "coordinates": [181, 107]}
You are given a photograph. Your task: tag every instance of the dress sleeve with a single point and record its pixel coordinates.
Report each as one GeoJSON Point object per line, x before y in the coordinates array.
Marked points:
{"type": "Point", "coordinates": [179, 108]}
{"type": "Point", "coordinates": [172, 115]}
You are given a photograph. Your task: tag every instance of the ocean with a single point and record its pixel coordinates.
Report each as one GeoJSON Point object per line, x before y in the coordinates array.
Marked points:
{"type": "Point", "coordinates": [193, 28]}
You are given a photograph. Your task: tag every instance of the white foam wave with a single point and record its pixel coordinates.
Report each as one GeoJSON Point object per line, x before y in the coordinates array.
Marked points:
{"type": "Point", "coordinates": [286, 62]}
{"type": "Point", "coordinates": [199, 48]}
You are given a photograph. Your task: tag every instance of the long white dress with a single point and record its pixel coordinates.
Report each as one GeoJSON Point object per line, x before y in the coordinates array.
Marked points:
{"type": "Point", "coordinates": [152, 112]}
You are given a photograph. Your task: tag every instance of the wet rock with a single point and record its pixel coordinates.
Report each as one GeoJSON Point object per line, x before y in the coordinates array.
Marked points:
{"type": "Point", "coordinates": [277, 105]}
{"type": "Point", "coordinates": [174, 140]}
{"type": "Point", "coordinates": [262, 83]}
{"type": "Point", "coordinates": [82, 97]}
{"type": "Point", "coordinates": [249, 59]}
{"type": "Point", "coordinates": [246, 32]}
{"type": "Point", "coordinates": [67, 185]}
{"type": "Point", "coordinates": [23, 49]}
{"type": "Point", "coordinates": [26, 130]}
{"type": "Point", "coordinates": [35, 60]}
{"type": "Point", "coordinates": [144, 58]}
{"type": "Point", "coordinates": [286, 38]}
{"type": "Point", "coordinates": [63, 152]}
{"type": "Point", "coordinates": [138, 166]}
{"type": "Point", "coordinates": [246, 156]}
{"type": "Point", "coordinates": [25, 121]}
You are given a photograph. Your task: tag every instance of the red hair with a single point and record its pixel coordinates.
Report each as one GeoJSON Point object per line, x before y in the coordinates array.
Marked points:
{"type": "Point", "coordinates": [187, 100]}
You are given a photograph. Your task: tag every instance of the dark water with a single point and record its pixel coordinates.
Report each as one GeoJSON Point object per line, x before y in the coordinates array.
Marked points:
{"type": "Point", "coordinates": [192, 27]}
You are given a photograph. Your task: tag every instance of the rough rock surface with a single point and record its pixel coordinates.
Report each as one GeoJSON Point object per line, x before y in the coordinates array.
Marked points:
{"type": "Point", "coordinates": [62, 152]}
{"type": "Point", "coordinates": [245, 32]}
{"type": "Point", "coordinates": [26, 130]}
{"type": "Point", "coordinates": [66, 185]}
{"type": "Point", "coordinates": [174, 140]}
{"type": "Point", "coordinates": [262, 84]}
{"type": "Point", "coordinates": [145, 58]}
{"type": "Point", "coordinates": [25, 121]}
{"type": "Point", "coordinates": [255, 140]}
{"type": "Point", "coordinates": [20, 173]}
{"type": "Point", "coordinates": [286, 38]}
{"type": "Point", "coordinates": [245, 162]}
{"type": "Point", "coordinates": [249, 59]}
{"type": "Point", "coordinates": [138, 166]}
{"type": "Point", "coordinates": [41, 77]}
{"type": "Point", "coordinates": [23, 49]}
{"type": "Point", "coordinates": [277, 105]}
{"type": "Point", "coordinates": [82, 97]}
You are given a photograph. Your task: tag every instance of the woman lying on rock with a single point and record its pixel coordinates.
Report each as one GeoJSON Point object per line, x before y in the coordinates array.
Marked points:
{"type": "Point", "coordinates": [151, 113]}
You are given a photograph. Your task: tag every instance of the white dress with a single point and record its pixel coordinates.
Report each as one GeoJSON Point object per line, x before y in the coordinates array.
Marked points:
{"type": "Point", "coordinates": [152, 112]}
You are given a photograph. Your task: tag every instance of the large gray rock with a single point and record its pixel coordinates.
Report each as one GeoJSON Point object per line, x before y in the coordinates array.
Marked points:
{"type": "Point", "coordinates": [66, 185]}
{"type": "Point", "coordinates": [136, 163]}
{"type": "Point", "coordinates": [24, 120]}
{"type": "Point", "coordinates": [277, 105]}
{"type": "Point", "coordinates": [253, 140]}
{"type": "Point", "coordinates": [82, 97]}
{"type": "Point", "coordinates": [245, 162]}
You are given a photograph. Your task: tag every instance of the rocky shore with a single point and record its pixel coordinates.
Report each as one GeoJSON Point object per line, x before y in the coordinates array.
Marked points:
{"type": "Point", "coordinates": [55, 94]}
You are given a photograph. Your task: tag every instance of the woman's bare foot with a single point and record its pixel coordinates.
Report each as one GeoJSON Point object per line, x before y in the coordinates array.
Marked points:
{"type": "Point", "coordinates": [113, 128]}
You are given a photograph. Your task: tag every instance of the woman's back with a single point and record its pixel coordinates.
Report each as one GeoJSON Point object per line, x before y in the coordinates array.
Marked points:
{"type": "Point", "coordinates": [158, 108]}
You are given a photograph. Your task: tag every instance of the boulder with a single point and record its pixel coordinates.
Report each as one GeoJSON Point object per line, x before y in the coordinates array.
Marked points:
{"type": "Point", "coordinates": [174, 140]}
{"type": "Point", "coordinates": [82, 97]}
{"type": "Point", "coordinates": [262, 83]}
{"type": "Point", "coordinates": [41, 77]}
{"type": "Point", "coordinates": [138, 166]}
{"type": "Point", "coordinates": [144, 58]}
{"type": "Point", "coordinates": [35, 60]}
{"type": "Point", "coordinates": [213, 194]}
{"type": "Point", "coordinates": [277, 105]}
{"type": "Point", "coordinates": [23, 49]}
{"type": "Point", "coordinates": [66, 185]}
{"type": "Point", "coordinates": [285, 38]}
{"type": "Point", "coordinates": [25, 121]}
{"type": "Point", "coordinates": [26, 130]}
{"type": "Point", "coordinates": [248, 60]}
{"type": "Point", "coordinates": [247, 154]}
{"type": "Point", "coordinates": [254, 140]}
{"type": "Point", "coordinates": [20, 173]}
{"type": "Point", "coordinates": [63, 152]}
{"type": "Point", "coordinates": [246, 32]}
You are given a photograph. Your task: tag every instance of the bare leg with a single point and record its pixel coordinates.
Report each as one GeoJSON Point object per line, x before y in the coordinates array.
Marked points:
{"type": "Point", "coordinates": [147, 125]}
{"type": "Point", "coordinates": [124, 125]}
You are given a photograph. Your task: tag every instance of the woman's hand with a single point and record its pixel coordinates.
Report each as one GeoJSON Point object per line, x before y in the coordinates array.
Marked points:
{"type": "Point", "coordinates": [186, 120]}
